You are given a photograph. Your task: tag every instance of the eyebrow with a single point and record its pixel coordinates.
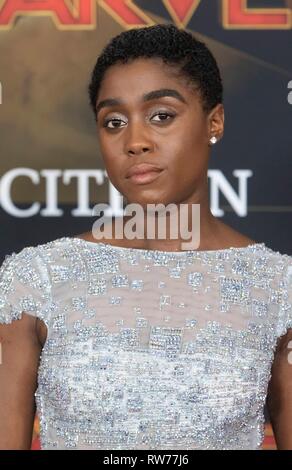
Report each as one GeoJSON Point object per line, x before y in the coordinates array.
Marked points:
{"type": "Point", "coordinates": [151, 95]}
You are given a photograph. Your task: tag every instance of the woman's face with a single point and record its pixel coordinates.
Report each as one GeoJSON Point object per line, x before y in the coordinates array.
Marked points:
{"type": "Point", "coordinates": [171, 132]}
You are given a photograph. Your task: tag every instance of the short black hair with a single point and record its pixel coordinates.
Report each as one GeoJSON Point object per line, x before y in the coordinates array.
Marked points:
{"type": "Point", "coordinates": [175, 47]}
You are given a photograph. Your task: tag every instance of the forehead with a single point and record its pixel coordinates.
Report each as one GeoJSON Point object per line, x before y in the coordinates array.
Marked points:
{"type": "Point", "coordinates": [139, 76]}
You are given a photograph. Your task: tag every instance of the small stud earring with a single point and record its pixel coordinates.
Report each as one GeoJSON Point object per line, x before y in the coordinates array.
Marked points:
{"type": "Point", "coordinates": [213, 140]}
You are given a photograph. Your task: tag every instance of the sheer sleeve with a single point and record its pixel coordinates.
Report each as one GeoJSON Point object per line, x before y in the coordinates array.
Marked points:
{"type": "Point", "coordinates": [279, 394]}
{"type": "Point", "coordinates": [24, 285]}
{"type": "Point", "coordinates": [289, 296]}
{"type": "Point", "coordinates": [285, 318]}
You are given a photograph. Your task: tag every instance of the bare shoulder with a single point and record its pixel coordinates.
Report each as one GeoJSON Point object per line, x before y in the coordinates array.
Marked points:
{"type": "Point", "coordinates": [87, 236]}
{"type": "Point", "coordinates": [224, 236]}
{"type": "Point", "coordinates": [105, 235]}
{"type": "Point", "coordinates": [231, 237]}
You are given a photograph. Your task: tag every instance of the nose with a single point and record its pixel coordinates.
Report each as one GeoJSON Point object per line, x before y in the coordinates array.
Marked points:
{"type": "Point", "coordinates": [137, 140]}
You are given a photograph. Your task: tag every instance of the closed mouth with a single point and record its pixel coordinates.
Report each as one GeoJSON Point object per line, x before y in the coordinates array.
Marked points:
{"type": "Point", "coordinates": [145, 177]}
{"type": "Point", "coordinates": [142, 169]}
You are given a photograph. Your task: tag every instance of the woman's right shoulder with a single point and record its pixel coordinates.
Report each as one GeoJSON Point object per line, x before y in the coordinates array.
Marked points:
{"type": "Point", "coordinates": [27, 277]}
{"type": "Point", "coordinates": [35, 253]}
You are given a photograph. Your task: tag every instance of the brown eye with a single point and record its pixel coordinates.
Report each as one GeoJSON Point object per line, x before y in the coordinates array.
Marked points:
{"type": "Point", "coordinates": [114, 121]}
{"type": "Point", "coordinates": [165, 116]}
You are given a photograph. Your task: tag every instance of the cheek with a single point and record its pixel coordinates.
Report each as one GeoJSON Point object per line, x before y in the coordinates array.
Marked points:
{"type": "Point", "coordinates": [115, 166]}
{"type": "Point", "coordinates": [196, 132]}
{"type": "Point", "coordinates": [191, 134]}
{"type": "Point", "coordinates": [110, 154]}
{"type": "Point", "coordinates": [188, 154]}
{"type": "Point", "coordinates": [106, 146]}
{"type": "Point", "coordinates": [189, 144]}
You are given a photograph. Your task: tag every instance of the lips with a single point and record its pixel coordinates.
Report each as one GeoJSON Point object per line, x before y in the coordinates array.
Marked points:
{"type": "Point", "coordinates": [142, 169]}
{"type": "Point", "coordinates": [145, 178]}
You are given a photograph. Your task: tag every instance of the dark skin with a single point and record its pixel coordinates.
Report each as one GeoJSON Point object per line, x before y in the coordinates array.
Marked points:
{"type": "Point", "coordinates": [181, 146]}
{"type": "Point", "coordinates": [137, 133]}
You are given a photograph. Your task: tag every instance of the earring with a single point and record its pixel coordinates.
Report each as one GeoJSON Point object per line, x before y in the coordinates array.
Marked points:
{"type": "Point", "coordinates": [213, 140]}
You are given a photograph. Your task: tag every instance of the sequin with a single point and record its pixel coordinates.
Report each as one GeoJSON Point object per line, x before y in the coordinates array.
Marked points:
{"type": "Point", "coordinates": [137, 284]}
{"type": "Point", "coordinates": [195, 279]}
{"type": "Point", "coordinates": [151, 349]}
{"type": "Point", "coordinates": [234, 290]}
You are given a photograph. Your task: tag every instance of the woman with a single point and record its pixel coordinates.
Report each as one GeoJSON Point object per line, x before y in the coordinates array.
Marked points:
{"type": "Point", "coordinates": [138, 344]}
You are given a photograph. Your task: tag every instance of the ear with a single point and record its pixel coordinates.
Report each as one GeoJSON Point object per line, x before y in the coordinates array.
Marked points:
{"type": "Point", "coordinates": [216, 122]}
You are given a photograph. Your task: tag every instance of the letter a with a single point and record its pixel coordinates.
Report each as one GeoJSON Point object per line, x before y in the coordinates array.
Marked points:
{"type": "Point", "coordinates": [79, 14]}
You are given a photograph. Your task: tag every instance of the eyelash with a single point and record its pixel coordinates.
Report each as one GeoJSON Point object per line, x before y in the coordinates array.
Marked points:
{"type": "Point", "coordinates": [171, 115]}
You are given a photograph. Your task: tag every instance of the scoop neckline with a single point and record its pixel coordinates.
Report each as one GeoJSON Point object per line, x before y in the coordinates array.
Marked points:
{"type": "Point", "coordinates": [145, 250]}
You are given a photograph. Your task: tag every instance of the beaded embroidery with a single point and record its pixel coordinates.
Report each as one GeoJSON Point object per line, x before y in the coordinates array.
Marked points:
{"type": "Point", "coordinates": [150, 349]}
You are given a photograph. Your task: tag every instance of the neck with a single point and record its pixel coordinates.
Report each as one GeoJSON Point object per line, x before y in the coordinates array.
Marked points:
{"type": "Point", "coordinates": [184, 228]}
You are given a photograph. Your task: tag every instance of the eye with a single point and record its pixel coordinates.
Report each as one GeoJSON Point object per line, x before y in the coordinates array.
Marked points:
{"type": "Point", "coordinates": [114, 121]}
{"type": "Point", "coordinates": [165, 116]}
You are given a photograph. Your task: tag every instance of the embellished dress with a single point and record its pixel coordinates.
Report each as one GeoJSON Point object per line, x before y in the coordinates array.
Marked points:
{"type": "Point", "coordinates": [150, 349]}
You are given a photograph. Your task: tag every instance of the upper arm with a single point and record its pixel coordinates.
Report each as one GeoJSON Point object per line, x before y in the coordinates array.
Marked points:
{"type": "Point", "coordinates": [279, 399]}
{"type": "Point", "coordinates": [25, 286]}
{"type": "Point", "coordinates": [20, 350]}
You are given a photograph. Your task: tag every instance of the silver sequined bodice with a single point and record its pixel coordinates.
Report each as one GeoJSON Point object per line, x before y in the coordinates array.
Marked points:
{"type": "Point", "coordinates": [151, 349]}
